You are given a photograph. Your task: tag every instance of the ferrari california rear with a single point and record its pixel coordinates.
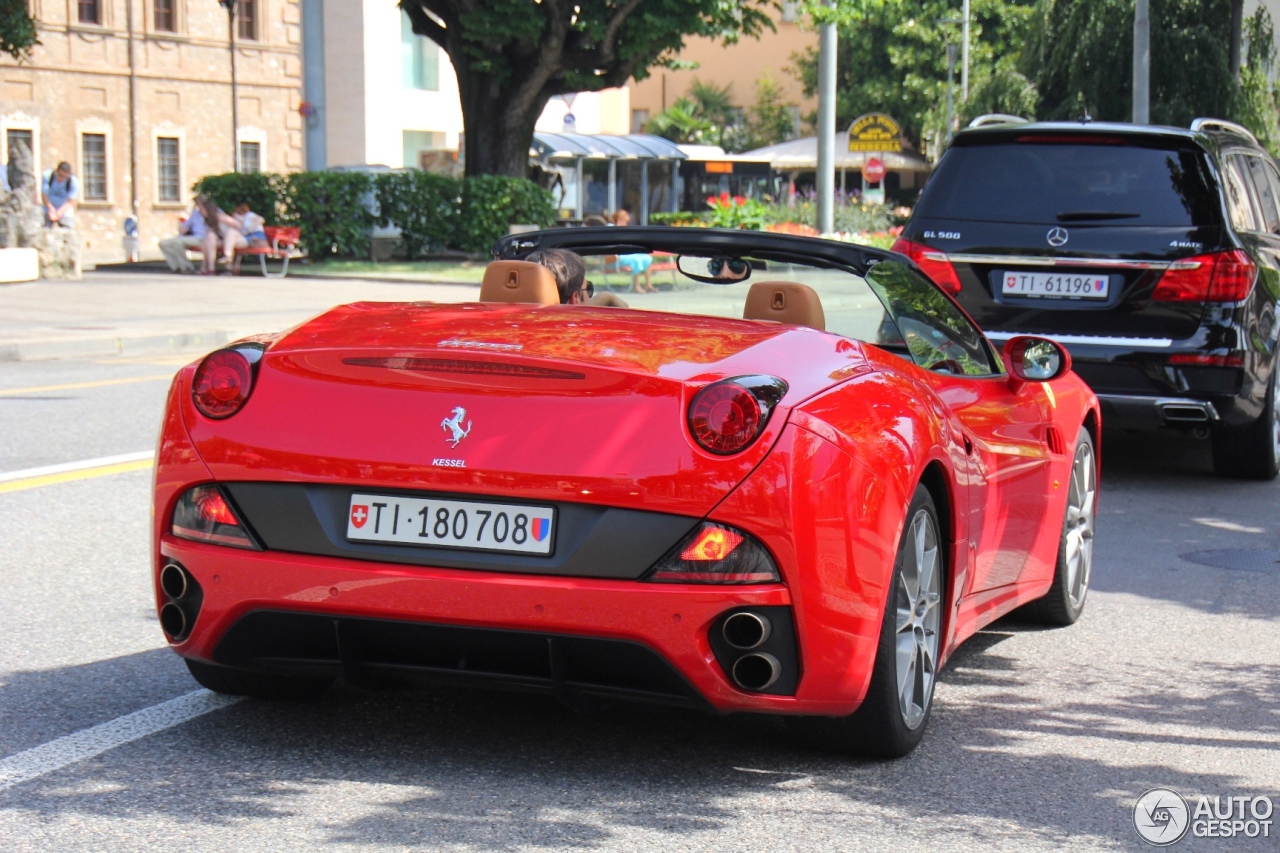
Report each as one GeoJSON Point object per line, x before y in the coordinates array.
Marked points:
{"type": "Point", "coordinates": [755, 514]}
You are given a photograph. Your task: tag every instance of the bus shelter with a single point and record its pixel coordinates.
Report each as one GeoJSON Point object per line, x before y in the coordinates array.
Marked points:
{"type": "Point", "coordinates": [596, 174]}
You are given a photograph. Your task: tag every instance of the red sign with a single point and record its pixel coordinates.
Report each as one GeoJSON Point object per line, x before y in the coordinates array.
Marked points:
{"type": "Point", "coordinates": [873, 170]}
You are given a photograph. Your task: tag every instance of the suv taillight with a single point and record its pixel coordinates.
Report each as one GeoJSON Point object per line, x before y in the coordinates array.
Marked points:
{"type": "Point", "coordinates": [932, 262]}
{"type": "Point", "coordinates": [1213, 277]}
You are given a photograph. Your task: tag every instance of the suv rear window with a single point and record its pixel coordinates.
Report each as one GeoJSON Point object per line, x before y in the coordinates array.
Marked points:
{"type": "Point", "coordinates": [1056, 183]}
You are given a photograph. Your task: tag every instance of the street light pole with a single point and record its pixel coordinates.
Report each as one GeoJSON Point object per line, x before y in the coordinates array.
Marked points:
{"type": "Point", "coordinates": [826, 125]}
{"type": "Point", "coordinates": [230, 6]}
{"type": "Point", "coordinates": [951, 68]}
{"type": "Point", "coordinates": [964, 62]}
{"type": "Point", "coordinates": [1141, 63]}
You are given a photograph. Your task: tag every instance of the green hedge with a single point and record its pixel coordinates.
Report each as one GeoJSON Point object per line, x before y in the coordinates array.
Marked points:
{"type": "Point", "coordinates": [337, 210]}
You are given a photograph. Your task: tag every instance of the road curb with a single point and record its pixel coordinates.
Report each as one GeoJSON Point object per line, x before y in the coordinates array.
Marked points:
{"type": "Point", "coordinates": [127, 345]}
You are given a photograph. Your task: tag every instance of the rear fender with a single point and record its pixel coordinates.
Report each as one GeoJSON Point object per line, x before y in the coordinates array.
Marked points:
{"type": "Point", "coordinates": [178, 466]}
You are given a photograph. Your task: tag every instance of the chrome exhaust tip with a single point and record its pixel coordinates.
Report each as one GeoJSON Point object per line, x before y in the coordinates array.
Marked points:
{"type": "Point", "coordinates": [1181, 411]}
{"type": "Point", "coordinates": [757, 671]}
{"type": "Point", "coordinates": [173, 620]}
{"type": "Point", "coordinates": [174, 582]}
{"type": "Point", "coordinates": [746, 630]}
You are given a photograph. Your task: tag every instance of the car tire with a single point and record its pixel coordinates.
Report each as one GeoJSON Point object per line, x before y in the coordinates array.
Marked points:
{"type": "Point", "coordinates": [1252, 453]}
{"type": "Point", "coordinates": [887, 725]}
{"type": "Point", "coordinates": [239, 682]}
{"type": "Point", "coordinates": [1064, 602]}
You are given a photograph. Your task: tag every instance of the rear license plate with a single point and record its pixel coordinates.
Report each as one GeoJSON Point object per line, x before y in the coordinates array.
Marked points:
{"type": "Point", "coordinates": [1053, 284]}
{"type": "Point", "coordinates": [465, 525]}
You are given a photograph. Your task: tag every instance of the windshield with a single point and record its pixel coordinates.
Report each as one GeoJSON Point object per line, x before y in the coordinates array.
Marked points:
{"type": "Point", "coordinates": [1053, 183]}
{"type": "Point", "coordinates": [919, 324]}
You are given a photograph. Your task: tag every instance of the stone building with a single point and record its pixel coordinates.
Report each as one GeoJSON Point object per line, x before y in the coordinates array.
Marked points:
{"type": "Point", "coordinates": [137, 96]}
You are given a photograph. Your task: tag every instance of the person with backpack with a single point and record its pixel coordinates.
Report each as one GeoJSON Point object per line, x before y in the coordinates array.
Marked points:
{"type": "Point", "coordinates": [59, 192]}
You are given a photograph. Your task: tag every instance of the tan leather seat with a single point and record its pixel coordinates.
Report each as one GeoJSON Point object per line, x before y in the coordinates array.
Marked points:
{"type": "Point", "coordinates": [785, 302]}
{"type": "Point", "coordinates": [519, 281]}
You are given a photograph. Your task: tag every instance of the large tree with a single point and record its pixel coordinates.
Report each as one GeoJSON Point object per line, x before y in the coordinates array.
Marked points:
{"type": "Point", "coordinates": [512, 56]}
{"type": "Point", "coordinates": [17, 30]}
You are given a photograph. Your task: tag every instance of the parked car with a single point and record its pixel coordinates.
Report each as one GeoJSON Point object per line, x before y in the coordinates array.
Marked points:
{"type": "Point", "coordinates": [792, 484]}
{"type": "Point", "coordinates": [1151, 253]}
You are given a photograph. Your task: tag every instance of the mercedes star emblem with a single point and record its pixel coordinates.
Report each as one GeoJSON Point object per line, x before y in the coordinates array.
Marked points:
{"type": "Point", "coordinates": [1057, 236]}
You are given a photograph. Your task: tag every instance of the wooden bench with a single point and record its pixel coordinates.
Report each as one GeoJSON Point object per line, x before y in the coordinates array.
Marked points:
{"type": "Point", "coordinates": [282, 242]}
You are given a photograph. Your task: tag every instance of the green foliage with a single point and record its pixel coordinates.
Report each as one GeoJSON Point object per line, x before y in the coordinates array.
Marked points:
{"type": "Point", "coordinates": [17, 30]}
{"type": "Point", "coordinates": [851, 215]}
{"type": "Point", "coordinates": [1258, 99]}
{"type": "Point", "coordinates": [1080, 55]}
{"type": "Point", "coordinates": [259, 190]}
{"type": "Point", "coordinates": [681, 123]}
{"type": "Point", "coordinates": [769, 119]}
{"type": "Point", "coordinates": [490, 204]}
{"type": "Point", "coordinates": [713, 103]}
{"type": "Point", "coordinates": [423, 205]}
{"type": "Point", "coordinates": [892, 56]}
{"type": "Point", "coordinates": [1002, 91]}
{"type": "Point", "coordinates": [333, 209]}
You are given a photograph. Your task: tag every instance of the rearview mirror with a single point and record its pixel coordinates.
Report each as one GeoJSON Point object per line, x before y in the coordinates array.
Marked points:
{"type": "Point", "coordinates": [1033, 359]}
{"type": "Point", "coordinates": [714, 270]}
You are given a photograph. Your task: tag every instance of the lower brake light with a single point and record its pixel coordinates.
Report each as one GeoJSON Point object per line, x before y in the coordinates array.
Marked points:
{"type": "Point", "coordinates": [932, 263]}
{"type": "Point", "coordinates": [1211, 277]}
{"type": "Point", "coordinates": [716, 553]}
{"type": "Point", "coordinates": [1198, 360]}
{"type": "Point", "coordinates": [204, 515]}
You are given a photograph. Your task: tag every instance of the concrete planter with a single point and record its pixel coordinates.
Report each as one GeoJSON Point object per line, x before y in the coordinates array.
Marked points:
{"type": "Point", "coordinates": [19, 265]}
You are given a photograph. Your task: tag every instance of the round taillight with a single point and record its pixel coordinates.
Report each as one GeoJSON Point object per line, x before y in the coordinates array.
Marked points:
{"type": "Point", "coordinates": [222, 383]}
{"type": "Point", "coordinates": [725, 417]}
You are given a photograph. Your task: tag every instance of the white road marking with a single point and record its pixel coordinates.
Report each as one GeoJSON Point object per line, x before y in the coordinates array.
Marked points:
{"type": "Point", "coordinates": [75, 466]}
{"type": "Point", "coordinates": [98, 739]}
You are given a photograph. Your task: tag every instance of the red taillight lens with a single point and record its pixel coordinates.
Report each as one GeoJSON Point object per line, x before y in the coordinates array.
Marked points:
{"type": "Point", "coordinates": [1212, 277]}
{"type": "Point", "coordinates": [203, 515]}
{"type": "Point", "coordinates": [224, 380]}
{"type": "Point", "coordinates": [932, 262]}
{"type": "Point", "coordinates": [716, 553]}
{"type": "Point", "coordinates": [724, 417]}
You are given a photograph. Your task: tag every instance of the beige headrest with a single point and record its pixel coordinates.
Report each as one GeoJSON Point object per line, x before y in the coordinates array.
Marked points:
{"type": "Point", "coordinates": [785, 302]}
{"type": "Point", "coordinates": [519, 281]}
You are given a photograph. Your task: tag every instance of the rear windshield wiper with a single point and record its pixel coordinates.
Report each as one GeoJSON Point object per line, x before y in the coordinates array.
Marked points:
{"type": "Point", "coordinates": [1082, 215]}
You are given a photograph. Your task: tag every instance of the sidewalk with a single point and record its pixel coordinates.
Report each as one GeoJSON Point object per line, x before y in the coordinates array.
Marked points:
{"type": "Point", "coordinates": [121, 314]}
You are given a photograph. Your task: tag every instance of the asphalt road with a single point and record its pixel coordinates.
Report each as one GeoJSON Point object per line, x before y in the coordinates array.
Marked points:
{"type": "Point", "coordinates": [1040, 739]}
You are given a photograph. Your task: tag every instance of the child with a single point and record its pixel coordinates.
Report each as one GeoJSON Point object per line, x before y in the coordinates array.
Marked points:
{"type": "Point", "coordinates": [251, 226]}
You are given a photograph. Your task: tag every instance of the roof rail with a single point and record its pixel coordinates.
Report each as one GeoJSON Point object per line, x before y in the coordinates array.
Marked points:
{"type": "Point", "coordinates": [1222, 125]}
{"type": "Point", "coordinates": [991, 119]}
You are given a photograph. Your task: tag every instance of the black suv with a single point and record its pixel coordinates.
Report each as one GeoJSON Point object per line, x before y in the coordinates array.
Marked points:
{"type": "Point", "coordinates": [1151, 253]}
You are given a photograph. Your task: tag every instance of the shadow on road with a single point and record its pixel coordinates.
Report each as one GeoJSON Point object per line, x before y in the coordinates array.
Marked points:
{"type": "Point", "coordinates": [495, 771]}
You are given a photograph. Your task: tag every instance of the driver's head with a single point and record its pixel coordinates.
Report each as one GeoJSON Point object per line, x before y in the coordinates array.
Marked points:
{"type": "Point", "coordinates": [569, 270]}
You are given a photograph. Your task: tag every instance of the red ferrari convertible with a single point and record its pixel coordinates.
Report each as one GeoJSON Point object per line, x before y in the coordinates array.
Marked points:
{"type": "Point", "coordinates": [791, 481]}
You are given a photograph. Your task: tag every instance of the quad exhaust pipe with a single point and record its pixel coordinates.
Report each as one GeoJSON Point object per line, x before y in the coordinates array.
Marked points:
{"type": "Point", "coordinates": [174, 581]}
{"type": "Point", "coordinates": [173, 620]}
{"type": "Point", "coordinates": [178, 613]}
{"type": "Point", "coordinates": [757, 671]}
{"type": "Point", "coordinates": [746, 630]}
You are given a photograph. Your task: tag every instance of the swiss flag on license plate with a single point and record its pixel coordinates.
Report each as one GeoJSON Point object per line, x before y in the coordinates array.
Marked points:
{"type": "Point", "coordinates": [359, 515]}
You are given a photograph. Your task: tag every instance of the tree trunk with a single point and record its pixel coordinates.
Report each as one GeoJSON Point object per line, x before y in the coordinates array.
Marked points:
{"type": "Point", "coordinates": [499, 123]}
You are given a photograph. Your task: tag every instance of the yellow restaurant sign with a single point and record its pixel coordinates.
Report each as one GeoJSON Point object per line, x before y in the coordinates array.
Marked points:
{"type": "Point", "coordinates": [875, 132]}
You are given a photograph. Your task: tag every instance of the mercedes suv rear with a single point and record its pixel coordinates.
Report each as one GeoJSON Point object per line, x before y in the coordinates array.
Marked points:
{"type": "Point", "coordinates": [1151, 253]}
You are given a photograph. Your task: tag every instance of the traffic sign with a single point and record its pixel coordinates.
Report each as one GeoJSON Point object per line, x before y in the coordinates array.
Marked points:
{"type": "Point", "coordinates": [873, 170]}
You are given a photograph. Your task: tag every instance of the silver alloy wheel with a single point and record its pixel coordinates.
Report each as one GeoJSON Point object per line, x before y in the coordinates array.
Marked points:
{"type": "Point", "coordinates": [918, 616]}
{"type": "Point", "coordinates": [1081, 500]}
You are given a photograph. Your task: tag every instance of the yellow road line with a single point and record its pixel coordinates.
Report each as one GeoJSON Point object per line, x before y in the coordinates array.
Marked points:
{"type": "Point", "coordinates": [69, 476]}
{"type": "Point", "coordinates": [9, 392]}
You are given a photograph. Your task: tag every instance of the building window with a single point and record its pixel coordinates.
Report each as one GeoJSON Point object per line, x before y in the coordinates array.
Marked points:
{"type": "Point", "coordinates": [15, 135]}
{"type": "Point", "coordinates": [419, 58]}
{"type": "Point", "coordinates": [93, 159]}
{"type": "Point", "coordinates": [247, 15]}
{"type": "Point", "coordinates": [639, 118]}
{"type": "Point", "coordinates": [250, 157]}
{"type": "Point", "coordinates": [169, 181]}
{"type": "Point", "coordinates": [166, 16]}
{"type": "Point", "coordinates": [90, 11]}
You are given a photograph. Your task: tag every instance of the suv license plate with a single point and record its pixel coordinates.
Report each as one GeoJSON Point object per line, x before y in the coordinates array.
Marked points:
{"type": "Point", "coordinates": [466, 525]}
{"type": "Point", "coordinates": [1052, 284]}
